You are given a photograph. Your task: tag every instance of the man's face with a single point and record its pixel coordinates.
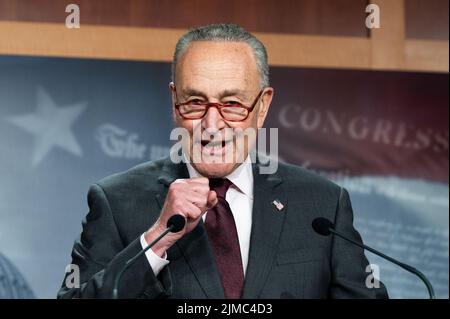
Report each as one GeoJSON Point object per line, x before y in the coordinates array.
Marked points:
{"type": "Point", "coordinates": [219, 72]}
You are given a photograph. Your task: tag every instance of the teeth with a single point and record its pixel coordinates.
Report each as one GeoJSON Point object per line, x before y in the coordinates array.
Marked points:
{"type": "Point", "coordinates": [213, 144]}
{"type": "Point", "coordinates": [215, 147]}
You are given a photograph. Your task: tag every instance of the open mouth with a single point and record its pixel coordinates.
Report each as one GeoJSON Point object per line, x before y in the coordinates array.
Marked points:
{"type": "Point", "coordinates": [213, 144]}
{"type": "Point", "coordinates": [214, 147]}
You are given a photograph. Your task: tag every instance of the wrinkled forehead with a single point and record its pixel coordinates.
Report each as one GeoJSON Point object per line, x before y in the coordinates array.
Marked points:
{"type": "Point", "coordinates": [213, 66]}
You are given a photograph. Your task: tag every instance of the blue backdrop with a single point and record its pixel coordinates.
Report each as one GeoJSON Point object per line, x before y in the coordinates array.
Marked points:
{"type": "Point", "coordinates": [65, 123]}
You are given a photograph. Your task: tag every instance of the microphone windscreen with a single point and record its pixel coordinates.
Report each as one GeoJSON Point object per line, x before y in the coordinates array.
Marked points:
{"type": "Point", "coordinates": [177, 223]}
{"type": "Point", "coordinates": [322, 226]}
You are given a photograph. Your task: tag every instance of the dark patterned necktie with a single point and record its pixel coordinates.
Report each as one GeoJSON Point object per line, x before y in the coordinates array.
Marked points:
{"type": "Point", "coordinates": [222, 233]}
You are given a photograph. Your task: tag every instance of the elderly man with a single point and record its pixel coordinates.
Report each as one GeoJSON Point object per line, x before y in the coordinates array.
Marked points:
{"type": "Point", "coordinates": [247, 234]}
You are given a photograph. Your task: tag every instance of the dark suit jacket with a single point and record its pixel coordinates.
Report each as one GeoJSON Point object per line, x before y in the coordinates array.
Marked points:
{"type": "Point", "coordinates": [287, 258]}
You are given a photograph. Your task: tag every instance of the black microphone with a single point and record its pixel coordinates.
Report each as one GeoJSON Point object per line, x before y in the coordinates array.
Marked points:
{"type": "Point", "coordinates": [325, 227]}
{"type": "Point", "coordinates": [174, 225]}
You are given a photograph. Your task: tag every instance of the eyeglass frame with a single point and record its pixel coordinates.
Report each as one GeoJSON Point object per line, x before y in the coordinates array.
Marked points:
{"type": "Point", "coordinates": [219, 106]}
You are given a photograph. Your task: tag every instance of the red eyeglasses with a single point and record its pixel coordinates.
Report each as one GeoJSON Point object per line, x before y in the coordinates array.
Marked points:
{"type": "Point", "coordinates": [230, 111]}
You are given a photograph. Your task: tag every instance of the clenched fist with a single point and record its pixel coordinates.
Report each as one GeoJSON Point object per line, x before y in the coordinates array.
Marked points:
{"type": "Point", "coordinates": [188, 197]}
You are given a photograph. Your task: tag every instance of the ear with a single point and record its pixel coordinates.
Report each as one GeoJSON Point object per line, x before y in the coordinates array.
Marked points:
{"type": "Point", "coordinates": [174, 99]}
{"type": "Point", "coordinates": [264, 105]}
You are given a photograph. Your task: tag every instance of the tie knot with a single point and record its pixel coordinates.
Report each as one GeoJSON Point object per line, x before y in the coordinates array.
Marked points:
{"type": "Point", "coordinates": [220, 186]}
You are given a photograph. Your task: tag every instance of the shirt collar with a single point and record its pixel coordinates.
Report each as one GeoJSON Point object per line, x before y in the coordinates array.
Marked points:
{"type": "Point", "coordinates": [241, 177]}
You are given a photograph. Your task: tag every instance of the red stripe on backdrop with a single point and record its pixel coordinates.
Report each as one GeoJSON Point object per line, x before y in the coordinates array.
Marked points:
{"type": "Point", "coordinates": [363, 123]}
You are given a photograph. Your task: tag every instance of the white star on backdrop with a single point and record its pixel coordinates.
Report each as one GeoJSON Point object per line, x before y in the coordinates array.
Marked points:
{"type": "Point", "coordinates": [50, 126]}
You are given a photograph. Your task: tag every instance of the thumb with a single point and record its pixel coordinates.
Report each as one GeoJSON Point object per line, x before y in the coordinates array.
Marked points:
{"type": "Point", "coordinates": [212, 199]}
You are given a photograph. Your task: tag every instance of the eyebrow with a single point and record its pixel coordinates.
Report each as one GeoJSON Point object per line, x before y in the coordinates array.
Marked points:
{"type": "Point", "coordinates": [225, 93]}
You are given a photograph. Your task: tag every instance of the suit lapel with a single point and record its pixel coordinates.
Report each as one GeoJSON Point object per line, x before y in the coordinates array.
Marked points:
{"type": "Point", "coordinates": [267, 223]}
{"type": "Point", "coordinates": [197, 251]}
{"type": "Point", "coordinates": [194, 246]}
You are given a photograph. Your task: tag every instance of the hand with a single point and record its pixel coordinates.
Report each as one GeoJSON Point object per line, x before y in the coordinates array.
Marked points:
{"type": "Point", "coordinates": [188, 197]}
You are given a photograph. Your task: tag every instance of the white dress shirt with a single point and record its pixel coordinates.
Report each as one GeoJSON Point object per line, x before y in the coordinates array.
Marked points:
{"type": "Point", "coordinates": [240, 198]}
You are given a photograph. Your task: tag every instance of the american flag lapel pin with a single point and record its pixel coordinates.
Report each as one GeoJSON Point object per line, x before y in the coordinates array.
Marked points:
{"type": "Point", "coordinates": [278, 204]}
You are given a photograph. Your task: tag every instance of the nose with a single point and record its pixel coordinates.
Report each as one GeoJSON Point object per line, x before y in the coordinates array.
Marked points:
{"type": "Point", "coordinates": [213, 120]}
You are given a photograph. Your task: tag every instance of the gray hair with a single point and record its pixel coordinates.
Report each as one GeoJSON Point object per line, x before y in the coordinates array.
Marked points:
{"type": "Point", "coordinates": [225, 32]}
